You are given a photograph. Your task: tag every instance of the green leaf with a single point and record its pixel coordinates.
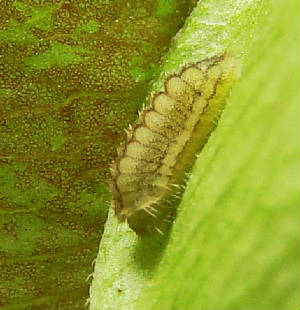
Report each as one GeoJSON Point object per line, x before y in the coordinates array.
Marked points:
{"type": "Point", "coordinates": [235, 242]}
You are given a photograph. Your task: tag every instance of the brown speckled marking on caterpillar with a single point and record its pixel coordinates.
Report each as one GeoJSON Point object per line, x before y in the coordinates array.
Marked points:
{"type": "Point", "coordinates": [148, 175]}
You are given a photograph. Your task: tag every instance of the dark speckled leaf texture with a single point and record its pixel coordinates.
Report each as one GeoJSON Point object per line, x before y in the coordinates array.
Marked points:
{"type": "Point", "coordinates": [73, 75]}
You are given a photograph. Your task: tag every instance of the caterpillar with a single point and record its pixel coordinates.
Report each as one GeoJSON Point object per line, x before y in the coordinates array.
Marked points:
{"type": "Point", "coordinates": [149, 172]}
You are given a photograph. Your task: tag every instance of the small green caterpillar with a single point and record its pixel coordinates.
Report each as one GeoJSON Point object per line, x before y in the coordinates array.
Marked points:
{"type": "Point", "coordinates": [148, 175]}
